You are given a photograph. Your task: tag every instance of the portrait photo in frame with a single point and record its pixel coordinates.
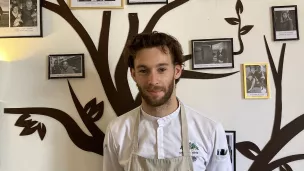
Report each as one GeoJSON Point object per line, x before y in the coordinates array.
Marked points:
{"type": "Point", "coordinates": [20, 18]}
{"type": "Point", "coordinates": [212, 53]}
{"type": "Point", "coordinates": [285, 23]}
{"type": "Point", "coordinates": [131, 2]}
{"type": "Point", "coordinates": [66, 66]}
{"type": "Point", "coordinates": [96, 4]}
{"type": "Point", "coordinates": [255, 81]}
{"type": "Point", "coordinates": [231, 141]}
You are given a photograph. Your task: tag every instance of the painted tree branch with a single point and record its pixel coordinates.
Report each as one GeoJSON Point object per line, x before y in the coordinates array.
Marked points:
{"type": "Point", "coordinates": [277, 77]}
{"type": "Point", "coordinates": [239, 35]}
{"type": "Point", "coordinates": [239, 8]}
{"type": "Point", "coordinates": [200, 75]}
{"type": "Point", "coordinates": [275, 164]}
{"type": "Point", "coordinates": [102, 65]}
{"type": "Point", "coordinates": [121, 70]}
{"type": "Point", "coordinates": [287, 133]}
{"type": "Point", "coordinates": [89, 122]}
{"type": "Point", "coordinates": [280, 137]}
{"type": "Point", "coordinates": [79, 138]}
{"type": "Point", "coordinates": [162, 11]}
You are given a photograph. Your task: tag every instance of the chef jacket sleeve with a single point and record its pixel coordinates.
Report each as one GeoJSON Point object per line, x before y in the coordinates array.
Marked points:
{"type": "Point", "coordinates": [110, 157]}
{"type": "Point", "coordinates": [220, 159]}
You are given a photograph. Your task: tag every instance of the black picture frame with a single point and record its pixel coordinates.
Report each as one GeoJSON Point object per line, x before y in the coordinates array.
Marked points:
{"type": "Point", "coordinates": [287, 29]}
{"type": "Point", "coordinates": [231, 141]}
{"type": "Point", "coordinates": [21, 27]}
{"type": "Point", "coordinates": [67, 66]}
{"type": "Point", "coordinates": [206, 53]}
{"type": "Point", "coordinates": [138, 2]}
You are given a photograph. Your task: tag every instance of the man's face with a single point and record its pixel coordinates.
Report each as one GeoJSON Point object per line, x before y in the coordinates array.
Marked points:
{"type": "Point", "coordinates": [15, 9]}
{"type": "Point", "coordinates": [29, 4]}
{"type": "Point", "coordinates": [155, 74]}
{"type": "Point", "coordinates": [253, 69]}
{"type": "Point", "coordinates": [65, 65]}
{"type": "Point", "coordinates": [284, 15]}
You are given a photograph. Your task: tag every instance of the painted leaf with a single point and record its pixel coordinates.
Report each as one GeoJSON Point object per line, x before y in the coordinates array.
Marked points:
{"type": "Point", "coordinates": [285, 167]}
{"type": "Point", "coordinates": [89, 105]}
{"type": "Point", "coordinates": [28, 131]}
{"type": "Point", "coordinates": [232, 21]}
{"type": "Point", "coordinates": [239, 7]}
{"type": "Point", "coordinates": [41, 130]}
{"type": "Point", "coordinates": [246, 149]}
{"type": "Point", "coordinates": [98, 112]}
{"type": "Point", "coordinates": [244, 30]}
{"type": "Point", "coordinates": [95, 111]}
{"type": "Point", "coordinates": [21, 120]}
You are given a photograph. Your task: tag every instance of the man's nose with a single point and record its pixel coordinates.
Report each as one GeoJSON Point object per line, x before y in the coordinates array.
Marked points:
{"type": "Point", "coordinates": [153, 78]}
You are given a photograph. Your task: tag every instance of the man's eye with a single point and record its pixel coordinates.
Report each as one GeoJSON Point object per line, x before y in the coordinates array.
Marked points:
{"type": "Point", "coordinates": [142, 71]}
{"type": "Point", "coordinates": [162, 69]}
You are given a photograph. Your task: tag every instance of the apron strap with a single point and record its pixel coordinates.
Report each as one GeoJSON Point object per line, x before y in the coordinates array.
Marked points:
{"type": "Point", "coordinates": [184, 129]}
{"type": "Point", "coordinates": [185, 136]}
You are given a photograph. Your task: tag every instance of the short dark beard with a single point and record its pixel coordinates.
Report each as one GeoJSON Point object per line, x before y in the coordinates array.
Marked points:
{"type": "Point", "coordinates": [160, 102]}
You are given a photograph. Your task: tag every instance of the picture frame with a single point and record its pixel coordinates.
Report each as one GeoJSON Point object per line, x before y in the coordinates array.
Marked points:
{"type": "Point", "coordinates": [285, 23]}
{"type": "Point", "coordinates": [66, 66]}
{"type": "Point", "coordinates": [256, 81]}
{"type": "Point", "coordinates": [96, 4]}
{"type": "Point", "coordinates": [212, 53]}
{"type": "Point", "coordinates": [231, 141]}
{"type": "Point", "coordinates": [133, 2]}
{"type": "Point", "coordinates": [17, 23]}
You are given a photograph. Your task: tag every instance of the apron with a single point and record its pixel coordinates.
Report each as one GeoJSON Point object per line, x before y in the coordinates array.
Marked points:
{"type": "Point", "coordinates": [182, 163]}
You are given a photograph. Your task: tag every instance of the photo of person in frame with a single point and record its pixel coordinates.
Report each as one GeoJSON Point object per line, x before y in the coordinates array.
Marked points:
{"type": "Point", "coordinates": [256, 80]}
{"type": "Point", "coordinates": [284, 20]}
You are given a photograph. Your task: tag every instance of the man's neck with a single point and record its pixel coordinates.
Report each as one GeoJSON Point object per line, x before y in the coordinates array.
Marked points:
{"type": "Point", "coordinates": [161, 111]}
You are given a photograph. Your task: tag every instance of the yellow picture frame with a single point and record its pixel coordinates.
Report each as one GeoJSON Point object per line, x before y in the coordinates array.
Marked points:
{"type": "Point", "coordinates": [256, 81]}
{"type": "Point", "coordinates": [95, 4]}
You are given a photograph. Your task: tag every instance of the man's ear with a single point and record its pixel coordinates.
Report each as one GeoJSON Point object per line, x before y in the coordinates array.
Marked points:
{"type": "Point", "coordinates": [178, 71]}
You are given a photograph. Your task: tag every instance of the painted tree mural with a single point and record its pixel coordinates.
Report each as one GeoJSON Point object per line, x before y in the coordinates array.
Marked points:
{"type": "Point", "coordinates": [280, 136]}
{"type": "Point", "coordinates": [93, 110]}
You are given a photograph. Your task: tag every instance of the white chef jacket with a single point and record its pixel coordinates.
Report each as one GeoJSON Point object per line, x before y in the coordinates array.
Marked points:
{"type": "Point", "coordinates": [161, 138]}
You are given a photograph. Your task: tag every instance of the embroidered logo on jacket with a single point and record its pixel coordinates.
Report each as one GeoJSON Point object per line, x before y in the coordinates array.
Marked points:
{"type": "Point", "coordinates": [193, 149]}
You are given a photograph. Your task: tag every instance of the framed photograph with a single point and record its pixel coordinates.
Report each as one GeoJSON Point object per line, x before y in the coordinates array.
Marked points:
{"type": "Point", "coordinates": [256, 84]}
{"type": "Point", "coordinates": [130, 2]}
{"type": "Point", "coordinates": [285, 23]}
{"type": "Point", "coordinates": [230, 136]}
{"type": "Point", "coordinates": [212, 53]}
{"type": "Point", "coordinates": [96, 4]}
{"type": "Point", "coordinates": [66, 66]}
{"type": "Point", "coordinates": [20, 18]}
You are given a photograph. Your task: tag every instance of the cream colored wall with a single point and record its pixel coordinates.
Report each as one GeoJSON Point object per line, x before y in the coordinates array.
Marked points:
{"type": "Point", "coordinates": [24, 83]}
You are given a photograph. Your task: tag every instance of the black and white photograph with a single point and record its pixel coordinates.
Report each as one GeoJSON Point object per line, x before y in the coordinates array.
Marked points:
{"type": "Point", "coordinates": [130, 2]}
{"type": "Point", "coordinates": [256, 80]}
{"type": "Point", "coordinates": [96, 4]}
{"type": "Point", "coordinates": [66, 66]}
{"type": "Point", "coordinates": [24, 19]}
{"type": "Point", "coordinates": [4, 13]}
{"type": "Point", "coordinates": [285, 23]}
{"type": "Point", "coordinates": [230, 136]}
{"type": "Point", "coordinates": [212, 53]}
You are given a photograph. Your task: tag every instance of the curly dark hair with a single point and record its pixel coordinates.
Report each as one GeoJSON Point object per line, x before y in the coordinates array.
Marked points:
{"type": "Point", "coordinates": [154, 39]}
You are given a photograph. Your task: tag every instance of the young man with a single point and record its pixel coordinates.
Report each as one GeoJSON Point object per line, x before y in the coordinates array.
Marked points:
{"type": "Point", "coordinates": [162, 134]}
